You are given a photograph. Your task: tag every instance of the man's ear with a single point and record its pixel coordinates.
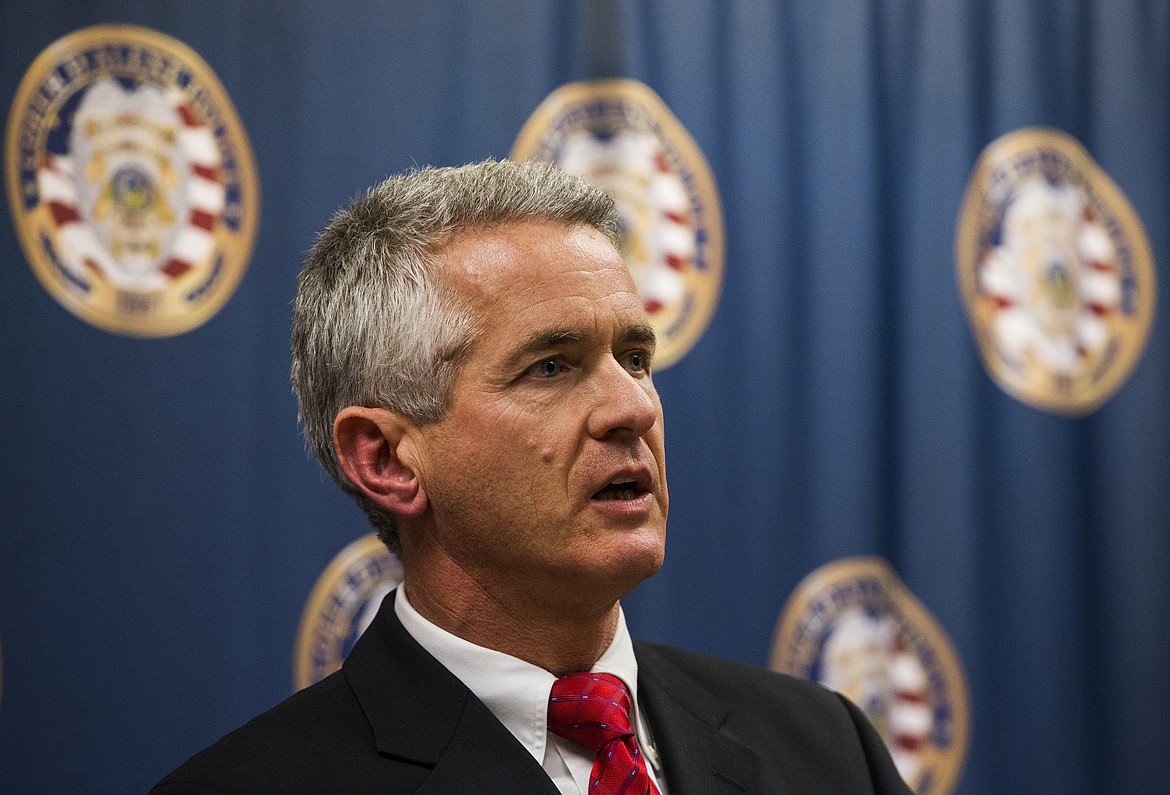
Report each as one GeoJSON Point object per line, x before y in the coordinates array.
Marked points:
{"type": "Point", "coordinates": [372, 448]}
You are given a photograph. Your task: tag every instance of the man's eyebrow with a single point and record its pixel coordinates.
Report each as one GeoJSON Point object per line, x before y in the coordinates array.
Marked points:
{"type": "Point", "coordinates": [642, 334]}
{"type": "Point", "coordinates": [546, 340]}
{"type": "Point", "coordinates": [541, 341]}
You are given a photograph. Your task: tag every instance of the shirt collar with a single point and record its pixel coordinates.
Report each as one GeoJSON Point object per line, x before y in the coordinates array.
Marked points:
{"type": "Point", "coordinates": [516, 691]}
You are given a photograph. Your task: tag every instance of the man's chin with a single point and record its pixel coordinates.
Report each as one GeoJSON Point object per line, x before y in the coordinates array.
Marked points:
{"type": "Point", "coordinates": [629, 558]}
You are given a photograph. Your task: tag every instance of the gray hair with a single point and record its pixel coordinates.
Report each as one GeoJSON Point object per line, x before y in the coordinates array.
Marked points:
{"type": "Point", "coordinates": [374, 322]}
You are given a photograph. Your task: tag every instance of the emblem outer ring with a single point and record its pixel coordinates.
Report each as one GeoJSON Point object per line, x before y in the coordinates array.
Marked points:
{"type": "Point", "coordinates": [236, 249]}
{"type": "Point", "coordinates": [999, 167]}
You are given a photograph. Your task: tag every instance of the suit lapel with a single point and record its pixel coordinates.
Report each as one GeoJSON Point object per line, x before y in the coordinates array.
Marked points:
{"type": "Point", "coordinates": [685, 719]}
{"type": "Point", "coordinates": [483, 751]}
{"type": "Point", "coordinates": [422, 713]}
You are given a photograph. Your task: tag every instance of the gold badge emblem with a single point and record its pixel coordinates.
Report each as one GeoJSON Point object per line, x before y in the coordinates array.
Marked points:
{"type": "Point", "coordinates": [855, 628]}
{"type": "Point", "coordinates": [1055, 270]}
{"type": "Point", "coordinates": [131, 181]}
{"type": "Point", "coordinates": [619, 135]}
{"type": "Point", "coordinates": [341, 606]}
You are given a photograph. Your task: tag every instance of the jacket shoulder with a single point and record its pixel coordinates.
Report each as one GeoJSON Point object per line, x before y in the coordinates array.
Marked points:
{"type": "Point", "coordinates": [740, 684]}
{"type": "Point", "coordinates": [316, 740]}
{"type": "Point", "coordinates": [804, 734]}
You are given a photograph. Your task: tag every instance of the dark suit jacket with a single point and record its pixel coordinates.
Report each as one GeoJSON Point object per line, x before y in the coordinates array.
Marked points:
{"type": "Point", "coordinates": [394, 720]}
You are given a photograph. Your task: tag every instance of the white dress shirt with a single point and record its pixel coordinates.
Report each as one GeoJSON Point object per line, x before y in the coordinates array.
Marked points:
{"type": "Point", "coordinates": [517, 694]}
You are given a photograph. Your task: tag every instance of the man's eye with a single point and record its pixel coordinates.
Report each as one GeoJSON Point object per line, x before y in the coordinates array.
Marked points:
{"type": "Point", "coordinates": [637, 362]}
{"type": "Point", "coordinates": [547, 368]}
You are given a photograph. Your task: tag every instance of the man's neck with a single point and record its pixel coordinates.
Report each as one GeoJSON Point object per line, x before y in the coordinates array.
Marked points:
{"type": "Point", "coordinates": [558, 637]}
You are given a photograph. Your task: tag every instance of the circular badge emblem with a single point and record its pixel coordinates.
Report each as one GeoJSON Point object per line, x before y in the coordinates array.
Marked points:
{"type": "Point", "coordinates": [620, 136]}
{"type": "Point", "coordinates": [131, 181]}
{"type": "Point", "coordinates": [854, 627]}
{"type": "Point", "coordinates": [341, 606]}
{"type": "Point", "coordinates": [1055, 270]}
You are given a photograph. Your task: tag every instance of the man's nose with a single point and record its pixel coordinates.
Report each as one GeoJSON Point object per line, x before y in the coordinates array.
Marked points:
{"type": "Point", "coordinates": [625, 404]}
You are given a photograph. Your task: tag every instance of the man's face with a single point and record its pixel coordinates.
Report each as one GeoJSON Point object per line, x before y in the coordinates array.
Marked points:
{"type": "Point", "coordinates": [547, 474]}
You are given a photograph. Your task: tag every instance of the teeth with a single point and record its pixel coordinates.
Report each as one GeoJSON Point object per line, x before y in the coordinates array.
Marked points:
{"type": "Point", "coordinates": [619, 489]}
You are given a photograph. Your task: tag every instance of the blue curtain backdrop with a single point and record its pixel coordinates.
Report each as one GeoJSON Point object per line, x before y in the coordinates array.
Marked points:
{"type": "Point", "coordinates": [162, 525]}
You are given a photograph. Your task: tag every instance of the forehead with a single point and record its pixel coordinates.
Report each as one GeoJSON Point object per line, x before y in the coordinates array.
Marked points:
{"type": "Point", "coordinates": [536, 272]}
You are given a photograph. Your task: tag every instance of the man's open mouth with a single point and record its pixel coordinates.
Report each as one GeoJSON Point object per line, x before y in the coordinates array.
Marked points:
{"type": "Point", "coordinates": [620, 489]}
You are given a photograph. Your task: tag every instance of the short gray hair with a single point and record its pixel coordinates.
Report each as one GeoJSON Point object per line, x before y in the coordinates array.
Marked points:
{"type": "Point", "coordinates": [374, 322]}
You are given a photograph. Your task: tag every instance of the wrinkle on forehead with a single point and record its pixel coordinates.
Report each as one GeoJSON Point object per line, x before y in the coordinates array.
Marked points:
{"type": "Point", "coordinates": [486, 264]}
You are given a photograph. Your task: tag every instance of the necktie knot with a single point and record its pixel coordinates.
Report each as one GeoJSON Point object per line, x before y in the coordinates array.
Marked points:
{"type": "Point", "coordinates": [594, 710]}
{"type": "Point", "coordinates": [591, 709]}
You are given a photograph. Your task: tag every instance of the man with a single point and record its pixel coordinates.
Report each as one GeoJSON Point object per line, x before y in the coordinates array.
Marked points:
{"type": "Point", "coordinates": [473, 365]}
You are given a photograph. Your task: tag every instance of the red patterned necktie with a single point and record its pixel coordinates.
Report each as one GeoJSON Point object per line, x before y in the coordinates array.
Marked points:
{"type": "Point", "coordinates": [594, 710]}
